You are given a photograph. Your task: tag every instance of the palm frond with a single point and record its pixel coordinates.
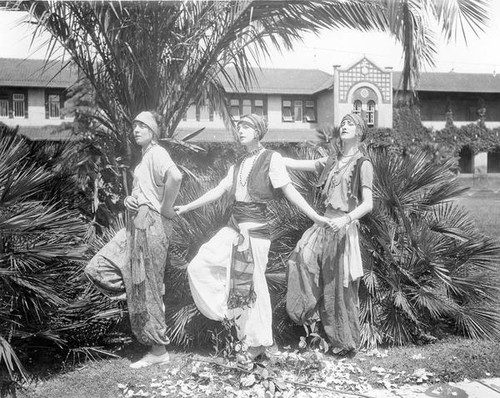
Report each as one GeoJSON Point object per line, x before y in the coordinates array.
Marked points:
{"type": "Point", "coordinates": [10, 360]}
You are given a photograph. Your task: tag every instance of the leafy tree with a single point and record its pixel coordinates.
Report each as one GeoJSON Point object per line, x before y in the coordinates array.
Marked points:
{"type": "Point", "coordinates": [168, 55]}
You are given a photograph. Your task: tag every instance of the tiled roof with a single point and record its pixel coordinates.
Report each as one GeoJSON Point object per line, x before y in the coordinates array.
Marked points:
{"type": "Point", "coordinates": [35, 73]}
{"type": "Point", "coordinates": [284, 81]}
{"type": "Point", "coordinates": [455, 82]}
{"type": "Point", "coordinates": [273, 135]}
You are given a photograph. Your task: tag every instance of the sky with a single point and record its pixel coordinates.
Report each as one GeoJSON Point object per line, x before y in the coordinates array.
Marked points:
{"type": "Point", "coordinates": [333, 47]}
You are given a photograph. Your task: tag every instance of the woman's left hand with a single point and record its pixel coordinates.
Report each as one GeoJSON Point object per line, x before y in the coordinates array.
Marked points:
{"type": "Point", "coordinates": [337, 223]}
{"type": "Point", "coordinates": [168, 213]}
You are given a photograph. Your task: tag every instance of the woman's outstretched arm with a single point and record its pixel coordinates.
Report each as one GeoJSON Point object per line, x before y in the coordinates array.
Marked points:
{"type": "Point", "coordinates": [298, 200]}
{"type": "Point", "coordinates": [300, 164]}
{"type": "Point", "coordinates": [209, 197]}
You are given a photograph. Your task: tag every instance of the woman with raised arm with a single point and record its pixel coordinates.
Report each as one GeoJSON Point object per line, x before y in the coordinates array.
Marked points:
{"type": "Point", "coordinates": [325, 268]}
{"type": "Point", "coordinates": [132, 264]}
{"type": "Point", "coordinates": [227, 276]}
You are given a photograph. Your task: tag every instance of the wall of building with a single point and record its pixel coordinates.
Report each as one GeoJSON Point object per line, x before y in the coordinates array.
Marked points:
{"type": "Point", "coordinates": [433, 106]}
{"type": "Point", "coordinates": [439, 125]}
{"type": "Point", "coordinates": [274, 116]}
{"type": "Point", "coordinates": [324, 109]}
{"type": "Point", "coordinates": [35, 111]}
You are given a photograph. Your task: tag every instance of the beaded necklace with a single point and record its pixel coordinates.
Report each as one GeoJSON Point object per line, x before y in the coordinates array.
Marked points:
{"type": "Point", "coordinates": [254, 155]}
{"type": "Point", "coordinates": [339, 171]}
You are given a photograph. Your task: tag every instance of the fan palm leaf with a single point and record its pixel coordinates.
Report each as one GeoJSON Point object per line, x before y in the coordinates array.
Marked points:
{"type": "Point", "coordinates": [429, 260]}
{"type": "Point", "coordinates": [9, 358]}
{"type": "Point", "coordinates": [39, 238]}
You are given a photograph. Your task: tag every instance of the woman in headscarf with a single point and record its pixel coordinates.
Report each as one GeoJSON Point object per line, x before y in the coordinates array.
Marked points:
{"type": "Point", "coordinates": [227, 276]}
{"type": "Point", "coordinates": [325, 268]}
{"type": "Point", "coordinates": [132, 264]}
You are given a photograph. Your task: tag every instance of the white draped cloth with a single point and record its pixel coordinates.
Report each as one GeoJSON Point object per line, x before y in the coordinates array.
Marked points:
{"type": "Point", "coordinates": [209, 282]}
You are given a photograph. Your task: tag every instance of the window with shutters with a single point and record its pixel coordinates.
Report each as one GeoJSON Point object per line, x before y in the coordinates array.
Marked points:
{"type": "Point", "coordinates": [54, 106]}
{"type": "Point", "coordinates": [4, 108]}
{"type": "Point", "coordinates": [310, 111]}
{"type": "Point", "coordinates": [18, 105]}
{"type": "Point", "coordinates": [246, 105]}
{"type": "Point", "coordinates": [235, 108]}
{"type": "Point", "coordinates": [298, 110]}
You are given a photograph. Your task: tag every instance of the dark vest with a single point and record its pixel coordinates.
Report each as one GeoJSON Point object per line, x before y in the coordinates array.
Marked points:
{"type": "Point", "coordinates": [355, 183]}
{"type": "Point", "coordinates": [259, 184]}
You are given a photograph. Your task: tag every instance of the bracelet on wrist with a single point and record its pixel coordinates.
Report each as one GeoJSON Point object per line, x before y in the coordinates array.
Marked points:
{"type": "Point", "coordinates": [348, 217]}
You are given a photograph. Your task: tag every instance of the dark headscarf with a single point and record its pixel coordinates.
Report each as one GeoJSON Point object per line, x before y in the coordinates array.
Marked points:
{"type": "Point", "coordinates": [257, 122]}
{"type": "Point", "coordinates": [359, 122]}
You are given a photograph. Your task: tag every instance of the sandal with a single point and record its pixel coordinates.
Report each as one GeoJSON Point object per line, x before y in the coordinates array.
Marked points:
{"type": "Point", "coordinates": [244, 361]}
{"type": "Point", "coordinates": [344, 352]}
{"type": "Point", "coordinates": [256, 352]}
{"type": "Point", "coordinates": [247, 358]}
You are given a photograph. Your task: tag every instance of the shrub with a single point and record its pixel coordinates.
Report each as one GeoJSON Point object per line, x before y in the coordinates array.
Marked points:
{"type": "Point", "coordinates": [428, 270]}
{"type": "Point", "coordinates": [47, 308]}
{"type": "Point", "coordinates": [40, 241]}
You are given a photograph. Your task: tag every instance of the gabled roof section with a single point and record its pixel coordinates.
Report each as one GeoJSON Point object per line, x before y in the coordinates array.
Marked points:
{"type": "Point", "coordinates": [283, 81]}
{"type": "Point", "coordinates": [35, 73]}
{"type": "Point", "coordinates": [455, 82]}
{"type": "Point", "coordinates": [364, 61]}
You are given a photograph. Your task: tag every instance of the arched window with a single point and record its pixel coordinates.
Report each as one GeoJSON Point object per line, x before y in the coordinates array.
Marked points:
{"type": "Point", "coordinates": [370, 113]}
{"type": "Point", "coordinates": [357, 107]}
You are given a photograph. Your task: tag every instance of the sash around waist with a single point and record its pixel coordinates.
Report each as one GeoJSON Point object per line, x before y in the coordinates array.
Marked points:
{"type": "Point", "coordinates": [243, 212]}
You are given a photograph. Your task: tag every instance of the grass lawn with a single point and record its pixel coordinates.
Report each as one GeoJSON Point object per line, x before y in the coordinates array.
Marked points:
{"type": "Point", "coordinates": [485, 210]}
{"type": "Point", "coordinates": [451, 359]}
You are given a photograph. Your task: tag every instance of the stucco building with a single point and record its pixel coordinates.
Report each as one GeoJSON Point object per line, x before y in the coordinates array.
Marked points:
{"type": "Point", "coordinates": [296, 102]}
{"type": "Point", "coordinates": [33, 95]}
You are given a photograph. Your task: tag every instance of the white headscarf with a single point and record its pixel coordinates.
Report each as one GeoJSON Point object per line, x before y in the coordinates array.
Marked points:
{"type": "Point", "coordinates": [149, 120]}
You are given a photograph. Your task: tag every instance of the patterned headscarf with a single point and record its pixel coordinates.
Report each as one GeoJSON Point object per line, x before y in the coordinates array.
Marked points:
{"type": "Point", "coordinates": [257, 122]}
{"type": "Point", "coordinates": [149, 120]}
{"type": "Point", "coordinates": [359, 122]}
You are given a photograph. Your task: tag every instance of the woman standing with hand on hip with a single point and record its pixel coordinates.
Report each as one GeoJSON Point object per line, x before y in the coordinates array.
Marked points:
{"type": "Point", "coordinates": [325, 268]}
{"type": "Point", "coordinates": [133, 262]}
{"type": "Point", "coordinates": [227, 276]}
